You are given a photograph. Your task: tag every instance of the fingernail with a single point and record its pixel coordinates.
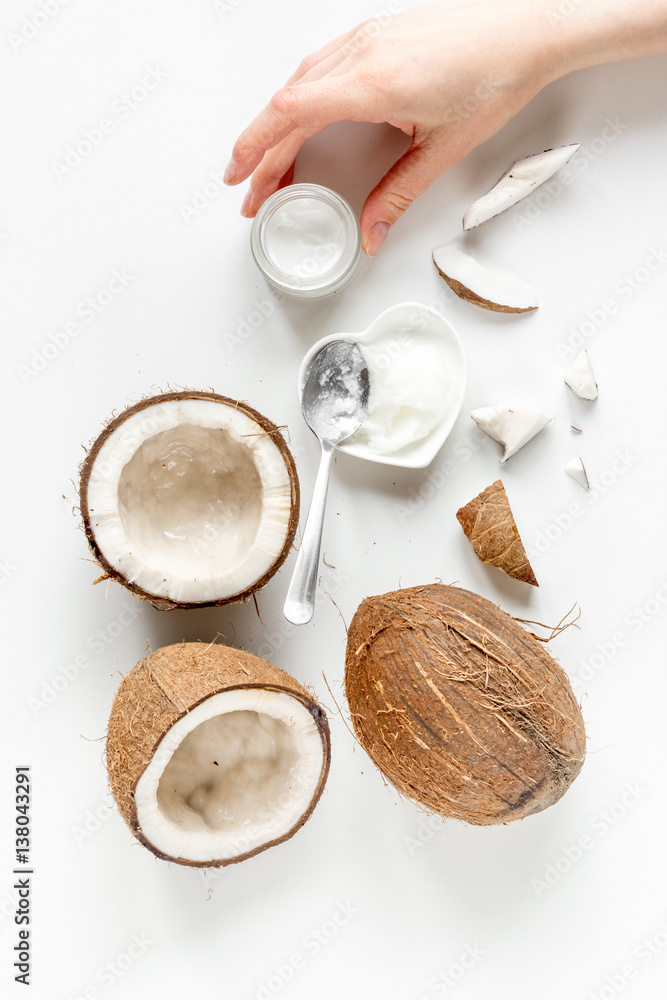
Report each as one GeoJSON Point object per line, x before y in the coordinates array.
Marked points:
{"type": "Point", "coordinates": [377, 237]}
{"type": "Point", "coordinates": [245, 204]}
{"type": "Point", "coordinates": [230, 172]}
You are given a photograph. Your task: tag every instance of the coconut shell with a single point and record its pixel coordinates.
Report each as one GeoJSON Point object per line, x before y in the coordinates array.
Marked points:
{"type": "Point", "coordinates": [159, 601]}
{"type": "Point", "coordinates": [459, 706]}
{"type": "Point", "coordinates": [165, 686]}
{"type": "Point", "coordinates": [490, 528]}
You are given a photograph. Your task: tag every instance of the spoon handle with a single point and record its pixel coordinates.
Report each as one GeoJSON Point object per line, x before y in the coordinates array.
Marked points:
{"type": "Point", "coordinates": [301, 594]}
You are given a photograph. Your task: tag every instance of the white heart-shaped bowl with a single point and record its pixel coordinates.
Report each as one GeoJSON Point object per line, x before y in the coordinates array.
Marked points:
{"type": "Point", "coordinates": [394, 321]}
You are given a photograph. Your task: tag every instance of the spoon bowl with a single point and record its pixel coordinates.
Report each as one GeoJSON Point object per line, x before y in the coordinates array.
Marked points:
{"type": "Point", "coordinates": [334, 404]}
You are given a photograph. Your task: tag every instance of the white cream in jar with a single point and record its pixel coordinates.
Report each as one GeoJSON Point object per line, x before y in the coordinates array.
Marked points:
{"type": "Point", "coordinates": [306, 240]}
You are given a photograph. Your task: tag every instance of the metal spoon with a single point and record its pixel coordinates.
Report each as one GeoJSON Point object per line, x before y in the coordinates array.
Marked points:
{"type": "Point", "coordinates": [334, 403]}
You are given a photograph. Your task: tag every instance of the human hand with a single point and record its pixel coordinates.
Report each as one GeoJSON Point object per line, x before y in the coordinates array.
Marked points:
{"type": "Point", "coordinates": [449, 73]}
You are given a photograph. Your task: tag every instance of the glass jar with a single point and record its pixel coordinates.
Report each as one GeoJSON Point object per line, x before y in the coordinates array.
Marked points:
{"type": "Point", "coordinates": [306, 240]}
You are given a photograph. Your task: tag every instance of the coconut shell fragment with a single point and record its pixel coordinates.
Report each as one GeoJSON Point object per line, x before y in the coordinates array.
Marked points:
{"type": "Point", "coordinates": [459, 706]}
{"type": "Point", "coordinates": [489, 526]}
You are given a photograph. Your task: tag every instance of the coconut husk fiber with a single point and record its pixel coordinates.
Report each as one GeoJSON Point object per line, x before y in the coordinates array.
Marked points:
{"type": "Point", "coordinates": [489, 526]}
{"type": "Point", "coordinates": [459, 706]}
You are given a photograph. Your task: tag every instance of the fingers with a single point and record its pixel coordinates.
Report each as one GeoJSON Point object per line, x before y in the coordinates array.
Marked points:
{"type": "Point", "coordinates": [252, 202]}
{"type": "Point", "coordinates": [409, 177]}
{"type": "Point", "coordinates": [313, 61]}
{"type": "Point", "coordinates": [304, 106]}
{"type": "Point", "coordinates": [288, 177]}
{"type": "Point", "coordinates": [293, 106]}
{"type": "Point", "coordinates": [270, 173]}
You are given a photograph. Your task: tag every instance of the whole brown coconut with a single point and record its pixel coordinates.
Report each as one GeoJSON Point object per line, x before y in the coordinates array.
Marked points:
{"type": "Point", "coordinates": [214, 754]}
{"type": "Point", "coordinates": [459, 706]}
{"type": "Point", "coordinates": [190, 499]}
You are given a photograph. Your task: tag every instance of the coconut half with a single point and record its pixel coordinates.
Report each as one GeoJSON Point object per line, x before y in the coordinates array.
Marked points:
{"type": "Point", "coordinates": [214, 754]}
{"type": "Point", "coordinates": [522, 178]}
{"type": "Point", "coordinates": [482, 285]}
{"type": "Point", "coordinates": [190, 499]}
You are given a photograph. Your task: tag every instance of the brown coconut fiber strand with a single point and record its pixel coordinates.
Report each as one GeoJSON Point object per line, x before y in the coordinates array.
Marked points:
{"type": "Point", "coordinates": [166, 685]}
{"type": "Point", "coordinates": [459, 706]}
{"type": "Point", "coordinates": [490, 528]}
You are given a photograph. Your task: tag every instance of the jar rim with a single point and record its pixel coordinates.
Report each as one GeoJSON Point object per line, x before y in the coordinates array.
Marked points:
{"type": "Point", "coordinates": [327, 281]}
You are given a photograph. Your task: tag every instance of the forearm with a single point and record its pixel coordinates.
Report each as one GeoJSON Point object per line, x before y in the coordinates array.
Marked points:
{"type": "Point", "coordinates": [449, 73]}
{"type": "Point", "coordinates": [581, 33]}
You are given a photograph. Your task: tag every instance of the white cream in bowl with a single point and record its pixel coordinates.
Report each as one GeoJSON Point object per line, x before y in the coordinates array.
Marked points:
{"type": "Point", "coordinates": [417, 372]}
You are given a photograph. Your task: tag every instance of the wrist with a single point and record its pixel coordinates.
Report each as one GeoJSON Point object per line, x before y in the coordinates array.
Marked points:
{"type": "Point", "coordinates": [577, 34]}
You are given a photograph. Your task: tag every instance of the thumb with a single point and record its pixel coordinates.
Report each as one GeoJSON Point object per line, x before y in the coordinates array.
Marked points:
{"type": "Point", "coordinates": [409, 177]}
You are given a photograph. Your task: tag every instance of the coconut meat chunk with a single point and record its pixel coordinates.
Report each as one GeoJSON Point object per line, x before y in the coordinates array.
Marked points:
{"type": "Point", "coordinates": [482, 284]}
{"type": "Point", "coordinates": [577, 471]}
{"type": "Point", "coordinates": [510, 426]}
{"type": "Point", "coordinates": [580, 377]}
{"type": "Point", "coordinates": [522, 178]}
{"type": "Point", "coordinates": [236, 773]}
{"type": "Point", "coordinates": [189, 500]}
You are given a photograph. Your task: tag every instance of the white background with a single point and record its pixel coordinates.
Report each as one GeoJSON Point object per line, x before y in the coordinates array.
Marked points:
{"type": "Point", "coordinates": [396, 899]}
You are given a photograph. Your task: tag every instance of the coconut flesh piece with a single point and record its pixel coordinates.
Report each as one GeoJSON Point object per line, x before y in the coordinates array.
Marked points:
{"type": "Point", "coordinates": [577, 470]}
{"type": "Point", "coordinates": [484, 286]}
{"type": "Point", "coordinates": [522, 178]}
{"type": "Point", "coordinates": [190, 499]}
{"type": "Point", "coordinates": [580, 377]}
{"type": "Point", "coordinates": [214, 754]}
{"type": "Point", "coordinates": [512, 427]}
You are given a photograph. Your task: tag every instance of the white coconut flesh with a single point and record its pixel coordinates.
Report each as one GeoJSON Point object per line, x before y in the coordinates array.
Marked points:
{"type": "Point", "coordinates": [522, 178]}
{"type": "Point", "coordinates": [190, 500]}
{"type": "Point", "coordinates": [577, 470]}
{"type": "Point", "coordinates": [481, 283]}
{"type": "Point", "coordinates": [580, 377]}
{"type": "Point", "coordinates": [510, 426]}
{"type": "Point", "coordinates": [234, 774]}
